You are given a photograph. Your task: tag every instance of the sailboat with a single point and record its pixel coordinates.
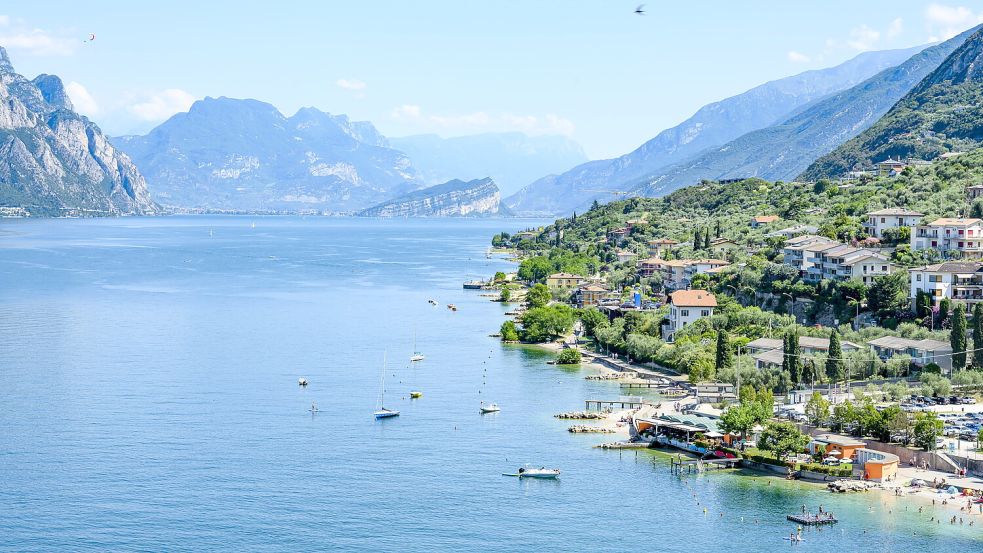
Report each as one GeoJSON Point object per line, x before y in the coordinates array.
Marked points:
{"type": "Point", "coordinates": [417, 356]}
{"type": "Point", "coordinates": [489, 408]}
{"type": "Point", "coordinates": [384, 413]}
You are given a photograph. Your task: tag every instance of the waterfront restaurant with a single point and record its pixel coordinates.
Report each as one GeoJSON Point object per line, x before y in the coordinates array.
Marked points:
{"type": "Point", "coordinates": [843, 447]}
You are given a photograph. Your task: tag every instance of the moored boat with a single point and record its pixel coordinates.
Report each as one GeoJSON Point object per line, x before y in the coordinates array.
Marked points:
{"type": "Point", "coordinates": [489, 408]}
{"type": "Point", "coordinates": [541, 472]}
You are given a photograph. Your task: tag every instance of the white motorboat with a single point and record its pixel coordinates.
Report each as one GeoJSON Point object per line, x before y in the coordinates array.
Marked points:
{"type": "Point", "coordinates": [541, 472]}
{"type": "Point", "coordinates": [489, 408]}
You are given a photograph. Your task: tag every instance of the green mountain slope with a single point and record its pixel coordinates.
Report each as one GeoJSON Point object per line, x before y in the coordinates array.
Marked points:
{"type": "Point", "coordinates": [943, 113]}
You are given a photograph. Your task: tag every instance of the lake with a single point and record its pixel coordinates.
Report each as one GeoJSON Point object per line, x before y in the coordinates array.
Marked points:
{"type": "Point", "coordinates": [149, 401]}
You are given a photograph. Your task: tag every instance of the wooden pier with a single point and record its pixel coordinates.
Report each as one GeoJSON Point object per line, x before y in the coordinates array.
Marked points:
{"type": "Point", "coordinates": [621, 403]}
{"type": "Point", "coordinates": [809, 519]}
{"type": "Point", "coordinates": [700, 465]}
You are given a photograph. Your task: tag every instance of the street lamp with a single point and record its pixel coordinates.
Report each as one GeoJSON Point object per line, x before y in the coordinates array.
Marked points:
{"type": "Point", "coordinates": [856, 320]}
{"type": "Point", "coordinates": [792, 308]}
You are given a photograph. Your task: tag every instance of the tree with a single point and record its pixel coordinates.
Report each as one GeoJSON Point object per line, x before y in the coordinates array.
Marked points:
{"type": "Point", "coordinates": [844, 414]}
{"type": "Point", "coordinates": [543, 324]}
{"type": "Point", "coordinates": [923, 304]}
{"type": "Point", "coordinates": [568, 356]}
{"type": "Point", "coordinates": [591, 319]}
{"type": "Point", "coordinates": [724, 359]}
{"type": "Point", "coordinates": [538, 296]}
{"type": "Point", "coordinates": [782, 438]}
{"type": "Point", "coordinates": [738, 419]}
{"type": "Point", "coordinates": [499, 276]}
{"type": "Point", "coordinates": [834, 362]}
{"type": "Point", "coordinates": [888, 296]}
{"type": "Point", "coordinates": [895, 424]}
{"type": "Point", "coordinates": [817, 409]}
{"type": "Point", "coordinates": [706, 240]}
{"type": "Point", "coordinates": [944, 307]}
{"type": "Point", "coordinates": [509, 332]}
{"type": "Point", "coordinates": [928, 428]}
{"type": "Point", "coordinates": [506, 295]}
{"type": "Point", "coordinates": [957, 337]}
{"type": "Point", "coordinates": [717, 230]}
{"type": "Point", "coordinates": [697, 240]}
{"type": "Point", "coordinates": [790, 360]}
{"type": "Point", "coordinates": [978, 336]}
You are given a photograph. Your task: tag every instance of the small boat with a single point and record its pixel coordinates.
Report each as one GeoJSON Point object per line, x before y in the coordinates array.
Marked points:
{"type": "Point", "coordinates": [417, 356]}
{"type": "Point", "coordinates": [541, 472]}
{"type": "Point", "coordinates": [302, 382]}
{"type": "Point", "coordinates": [490, 408]}
{"type": "Point", "coordinates": [313, 408]}
{"type": "Point", "coordinates": [416, 394]}
{"type": "Point", "coordinates": [432, 302]}
{"type": "Point", "coordinates": [452, 307]}
{"type": "Point", "coordinates": [384, 413]}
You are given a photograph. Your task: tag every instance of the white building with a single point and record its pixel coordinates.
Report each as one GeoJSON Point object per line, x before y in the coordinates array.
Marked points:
{"type": "Point", "coordinates": [922, 352]}
{"type": "Point", "coordinates": [842, 262]}
{"type": "Point", "coordinates": [948, 234]}
{"type": "Point", "coordinates": [687, 307]}
{"type": "Point", "coordinates": [794, 252]}
{"type": "Point", "coordinates": [955, 280]}
{"type": "Point", "coordinates": [768, 353]}
{"type": "Point", "coordinates": [882, 219]}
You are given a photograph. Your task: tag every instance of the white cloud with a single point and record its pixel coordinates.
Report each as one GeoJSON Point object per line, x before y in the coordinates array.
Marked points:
{"type": "Point", "coordinates": [480, 121]}
{"type": "Point", "coordinates": [351, 84]}
{"type": "Point", "coordinates": [895, 28]}
{"type": "Point", "coordinates": [945, 22]}
{"type": "Point", "coordinates": [797, 57]}
{"type": "Point", "coordinates": [161, 105]}
{"type": "Point", "coordinates": [863, 38]}
{"type": "Point", "coordinates": [36, 41]}
{"type": "Point", "coordinates": [83, 101]}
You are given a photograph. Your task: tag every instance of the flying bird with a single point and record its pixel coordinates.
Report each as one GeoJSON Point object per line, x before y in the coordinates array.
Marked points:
{"type": "Point", "coordinates": [640, 10]}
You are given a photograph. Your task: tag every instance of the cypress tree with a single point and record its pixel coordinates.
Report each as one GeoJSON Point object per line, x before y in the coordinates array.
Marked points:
{"type": "Point", "coordinates": [718, 228]}
{"type": "Point", "coordinates": [834, 362]}
{"type": "Point", "coordinates": [697, 240]}
{"type": "Point", "coordinates": [978, 336]}
{"type": "Point", "coordinates": [957, 338]}
{"type": "Point", "coordinates": [944, 307]}
{"type": "Point", "coordinates": [723, 360]}
{"type": "Point", "coordinates": [706, 240]}
{"type": "Point", "coordinates": [790, 358]}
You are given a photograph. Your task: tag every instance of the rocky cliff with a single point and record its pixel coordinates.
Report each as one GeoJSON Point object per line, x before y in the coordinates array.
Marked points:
{"type": "Point", "coordinates": [455, 198]}
{"type": "Point", "coordinates": [54, 161]}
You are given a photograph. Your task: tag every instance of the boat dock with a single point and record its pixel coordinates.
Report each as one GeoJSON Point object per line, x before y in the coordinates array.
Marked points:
{"type": "Point", "coordinates": [701, 465]}
{"type": "Point", "coordinates": [809, 519]}
{"type": "Point", "coordinates": [627, 402]}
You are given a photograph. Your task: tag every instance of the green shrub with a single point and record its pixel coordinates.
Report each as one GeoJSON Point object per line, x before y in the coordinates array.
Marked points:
{"type": "Point", "coordinates": [568, 357]}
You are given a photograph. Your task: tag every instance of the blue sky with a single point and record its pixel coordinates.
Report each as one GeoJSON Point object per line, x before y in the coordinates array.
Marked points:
{"type": "Point", "coordinates": [589, 69]}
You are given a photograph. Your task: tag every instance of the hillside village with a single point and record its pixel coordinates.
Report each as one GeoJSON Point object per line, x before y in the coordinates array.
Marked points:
{"type": "Point", "coordinates": [861, 291]}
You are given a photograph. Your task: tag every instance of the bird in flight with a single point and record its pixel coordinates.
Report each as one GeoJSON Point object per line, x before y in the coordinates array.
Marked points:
{"type": "Point", "coordinates": [640, 10]}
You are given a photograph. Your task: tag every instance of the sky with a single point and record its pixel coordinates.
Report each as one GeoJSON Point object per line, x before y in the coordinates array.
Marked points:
{"type": "Point", "coordinates": [591, 70]}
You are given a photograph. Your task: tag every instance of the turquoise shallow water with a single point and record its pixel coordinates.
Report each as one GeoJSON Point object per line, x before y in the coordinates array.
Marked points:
{"type": "Point", "coordinates": [148, 401]}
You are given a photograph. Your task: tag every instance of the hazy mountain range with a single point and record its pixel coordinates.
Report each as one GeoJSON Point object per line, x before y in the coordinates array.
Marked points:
{"type": "Point", "coordinates": [711, 126]}
{"type": "Point", "coordinates": [512, 159]}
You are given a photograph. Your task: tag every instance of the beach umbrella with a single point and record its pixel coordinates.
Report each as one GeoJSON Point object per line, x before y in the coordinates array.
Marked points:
{"type": "Point", "coordinates": [952, 489]}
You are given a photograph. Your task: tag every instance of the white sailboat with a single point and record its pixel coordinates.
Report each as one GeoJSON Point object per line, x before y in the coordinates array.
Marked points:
{"type": "Point", "coordinates": [417, 356]}
{"type": "Point", "coordinates": [384, 413]}
{"type": "Point", "coordinates": [489, 408]}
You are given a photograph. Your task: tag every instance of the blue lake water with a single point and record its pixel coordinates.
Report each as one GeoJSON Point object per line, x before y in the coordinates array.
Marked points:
{"type": "Point", "coordinates": [149, 401]}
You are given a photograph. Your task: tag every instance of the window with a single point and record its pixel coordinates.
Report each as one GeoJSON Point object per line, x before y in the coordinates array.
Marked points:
{"type": "Point", "coordinates": [684, 312]}
{"type": "Point", "coordinates": [705, 313]}
{"type": "Point", "coordinates": [883, 220]}
{"type": "Point", "coordinates": [884, 269]}
{"type": "Point", "coordinates": [935, 278]}
{"type": "Point", "coordinates": [936, 292]}
{"type": "Point", "coordinates": [918, 278]}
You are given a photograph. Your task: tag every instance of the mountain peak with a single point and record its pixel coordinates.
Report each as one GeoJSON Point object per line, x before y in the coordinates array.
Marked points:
{"type": "Point", "coordinates": [5, 65]}
{"type": "Point", "coordinates": [963, 65]}
{"type": "Point", "coordinates": [53, 90]}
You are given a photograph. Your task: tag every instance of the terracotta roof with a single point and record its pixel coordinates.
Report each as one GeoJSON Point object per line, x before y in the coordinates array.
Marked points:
{"type": "Point", "coordinates": [666, 241]}
{"type": "Point", "coordinates": [693, 298]}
